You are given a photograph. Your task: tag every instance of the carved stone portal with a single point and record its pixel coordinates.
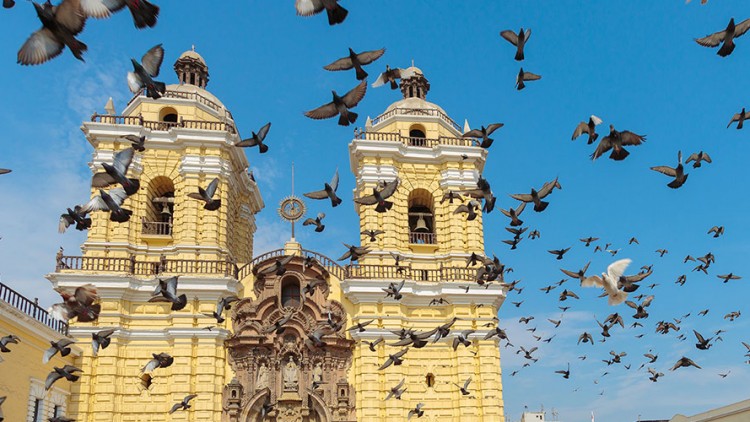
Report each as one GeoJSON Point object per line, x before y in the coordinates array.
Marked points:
{"type": "Point", "coordinates": [276, 369]}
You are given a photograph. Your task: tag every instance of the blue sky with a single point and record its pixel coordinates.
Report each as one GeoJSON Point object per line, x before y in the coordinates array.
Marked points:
{"type": "Point", "coordinates": [632, 63]}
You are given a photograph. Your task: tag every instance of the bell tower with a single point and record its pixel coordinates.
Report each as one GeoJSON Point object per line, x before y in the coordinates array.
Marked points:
{"type": "Point", "coordinates": [189, 141]}
{"type": "Point", "coordinates": [416, 141]}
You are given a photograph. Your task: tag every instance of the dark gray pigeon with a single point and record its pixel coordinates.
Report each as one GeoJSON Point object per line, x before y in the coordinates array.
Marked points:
{"type": "Point", "coordinates": [143, 73]}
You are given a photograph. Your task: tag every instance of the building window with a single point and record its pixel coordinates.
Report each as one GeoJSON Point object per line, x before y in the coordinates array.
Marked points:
{"type": "Point", "coordinates": [56, 411]}
{"type": "Point", "coordinates": [290, 294]}
{"type": "Point", "coordinates": [430, 380]}
{"type": "Point", "coordinates": [421, 218]}
{"type": "Point", "coordinates": [37, 410]}
{"type": "Point", "coordinates": [168, 114]}
{"type": "Point", "coordinates": [417, 136]}
{"type": "Point", "coordinates": [159, 213]}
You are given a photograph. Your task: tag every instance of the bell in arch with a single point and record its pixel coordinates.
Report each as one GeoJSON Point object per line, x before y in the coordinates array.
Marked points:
{"type": "Point", "coordinates": [421, 226]}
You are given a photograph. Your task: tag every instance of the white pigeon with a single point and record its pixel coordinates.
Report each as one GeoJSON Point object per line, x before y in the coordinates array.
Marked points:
{"type": "Point", "coordinates": [608, 281]}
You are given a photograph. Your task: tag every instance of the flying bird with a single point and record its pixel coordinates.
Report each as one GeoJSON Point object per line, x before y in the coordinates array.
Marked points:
{"type": "Point", "coordinates": [465, 389]}
{"type": "Point", "coordinates": [206, 195]}
{"type": "Point", "coordinates": [483, 133]}
{"type": "Point", "coordinates": [678, 173]}
{"type": "Point", "coordinates": [360, 326]}
{"type": "Point", "coordinates": [60, 346]}
{"type": "Point", "coordinates": [79, 305]}
{"type": "Point", "coordinates": [684, 362]}
{"type": "Point", "coordinates": [67, 372]}
{"type": "Point", "coordinates": [101, 339]}
{"type": "Point", "coordinates": [640, 309]}
{"type": "Point", "coordinates": [559, 252]}
{"type": "Point", "coordinates": [525, 77]}
{"type": "Point", "coordinates": [379, 197]}
{"type": "Point", "coordinates": [703, 344]}
{"type": "Point", "coordinates": [462, 338]}
{"type": "Point", "coordinates": [394, 359]}
{"type": "Point", "coordinates": [329, 192]}
{"type": "Point", "coordinates": [183, 405]}
{"type": "Point", "coordinates": [144, 13]}
{"type": "Point", "coordinates": [143, 73]}
{"type": "Point", "coordinates": [587, 128]}
{"type": "Point", "coordinates": [161, 360]}
{"type": "Point", "coordinates": [608, 281]}
{"type": "Point", "coordinates": [373, 344]}
{"type": "Point", "coordinates": [716, 230]}
{"type": "Point", "coordinates": [166, 291]}
{"type": "Point", "coordinates": [396, 391]}
{"type": "Point", "coordinates": [372, 234]}
{"type": "Point", "coordinates": [697, 158]}
{"type": "Point", "coordinates": [394, 291]}
{"type": "Point", "coordinates": [390, 75]}
{"type": "Point", "coordinates": [739, 118]}
{"type": "Point", "coordinates": [580, 275]}
{"type": "Point", "coordinates": [340, 106]}
{"type": "Point", "coordinates": [256, 140]}
{"type": "Point", "coordinates": [317, 222]}
{"type": "Point", "coordinates": [4, 341]}
{"type": "Point", "coordinates": [60, 25]}
{"type": "Point", "coordinates": [519, 40]}
{"type": "Point", "coordinates": [514, 213]}
{"type": "Point", "coordinates": [224, 303]}
{"type": "Point", "coordinates": [77, 216]}
{"type": "Point", "coordinates": [115, 173]}
{"type": "Point", "coordinates": [450, 196]}
{"type": "Point", "coordinates": [725, 37]}
{"type": "Point", "coordinates": [483, 191]}
{"type": "Point", "coordinates": [565, 373]}
{"type": "Point", "coordinates": [616, 141]}
{"type": "Point", "coordinates": [416, 411]}
{"type": "Point", "coordinates": [279, 266]}
{"type": "Point", "coordinates": [354, 252]}
{"type": "Point", "coordinates": [356, 61]}
{"type": "Point", "coordinates": [727, 277]}
{"type": "Point", "coordinates": [536, 197]}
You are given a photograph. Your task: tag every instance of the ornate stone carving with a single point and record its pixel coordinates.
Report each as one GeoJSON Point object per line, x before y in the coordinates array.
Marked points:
{"type": "Point", "coordinates": [281, 365]}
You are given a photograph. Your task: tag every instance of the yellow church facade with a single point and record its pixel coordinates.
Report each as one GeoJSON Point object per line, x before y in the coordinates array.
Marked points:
{"type": "Point", "coordinates": [245, 369]}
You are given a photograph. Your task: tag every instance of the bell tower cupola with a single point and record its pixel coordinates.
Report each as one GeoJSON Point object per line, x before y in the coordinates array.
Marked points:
{"type": "Point", "coordinates": [191, 69]}
{"type": "Point", "coordinates": [416, 85]}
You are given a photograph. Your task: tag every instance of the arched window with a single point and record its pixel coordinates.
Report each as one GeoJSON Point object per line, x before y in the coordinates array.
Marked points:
{"type": "Point", "coordinates": [160, 210]}
{"type": "Point", "coordinates": [290, 293]}
{"type": "Point", "coordinates": [421, 217]}
{"type": "Point", "coordinates": [417, 136]}
{"type": "Point", "coordinates": [168, 114]}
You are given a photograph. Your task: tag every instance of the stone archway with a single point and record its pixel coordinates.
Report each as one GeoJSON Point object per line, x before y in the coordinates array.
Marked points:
{"type": "Point", "coordinates": [280, 368]}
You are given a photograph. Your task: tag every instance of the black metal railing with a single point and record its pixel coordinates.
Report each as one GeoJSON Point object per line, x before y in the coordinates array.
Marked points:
{"type": "Point", "coordinates": [30, 308]}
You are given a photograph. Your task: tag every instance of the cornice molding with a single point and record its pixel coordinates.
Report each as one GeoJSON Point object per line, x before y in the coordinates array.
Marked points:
{"type": "Point", "coordinates": [419, 294]}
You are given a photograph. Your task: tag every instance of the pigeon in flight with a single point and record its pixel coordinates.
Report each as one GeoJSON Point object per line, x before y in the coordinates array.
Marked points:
{"type": "Point", "coordinates": [372, 344]}
{"type": "Point", "coordinates": [678, 173]}
{"type": "Point", "coordinates": [640, 309]}
{"type": "Point", "coordinates": [256, 139]}
{"type": "Point", "coordinates": [394, 291]}
{"type": "Point", "coordinates": [716, 230]}
{"type": "Point", "coordinates": [372, 234]}
{"type": "Point", "coordinates": [144, 13]}
{"type": "Point", "coordinates": [739, 118]}
{"type": "Point", "coordinates": [162, 360]}
{"type": "Point", "coordinates": [67, 372]}
{"type": "Point", "coordinates": [536, 197]}
{"type": "Point", "coordinates": [336, 13]}
{"type": "Point", "coordinates": [580, 275]}
{"type": "Point", "coordinates": [101, 339]}
{"type": "Point", "coordinates": [354, 252]}
{"type": "Point", "coordinates": [143, 73]}
{"type": "Point", "coordinates": [587, 128]}
{"type": "Point", "coordinates": [396, 391]}
{"type": "Point", "coordinates": [525, 77]}
{"type": "Point", "coordinates": [341, 106]}
{"type": "Point", "coordinates": [727, 277]}
{"type": "Point", "coordinates": [77, 216]}
{"type": "Point", "coordinates": [79, 305]}
{"type": "Point", "coordinates": [206, 195]}
{"type": "Point", "coordinates": [379, 196]}
{"type": "Point", "coordinates": [519, 40]}
{"type": "Point", "coordinates": [565, 373]}
{"type": "Point", "coordinates": [462, 338]}
{"type": "Point", "coordinates": [559, 252]}
{"type": "Point", "coordinates": [684, 362]}
{"type": "Point", "coordinates": [394, 359]}
{"type": "Point", "coordinates": [356, 61]}
{"type": "Point", "coordinates": [138, 143]}
{"type": "Point", "coordinates": [615, 141]}
{"type": "Point", "coordinates": [183, 405]}
{"type": "Point", "coordinates": [115, 173]}
{"type": "Point", "coordinates": [483, 133]}
{"type": "Point", "coordinates": [416, 411]}
{"type": "Point", "coordinates": [60, 25]}
{"type": "Point", "coordinates": [10, 338]}
{"type": "Point", "coordinates": [166, 291]}
{"type": "Point", "coordinates": [317, 222]}
{"type": "Point", "coordinates": [725, 37]}
{"type": "Point", "coordinates": [328, 192]}
{"type": "Point", "coordinates": [513, 214]}
{"type": "Point", "coordinates": [483, 191]}
{"type": "Point", "coordinates": [224, 303]}
{"type": "Point", "coordinates": [608, 281]}
{"type": "Point", "coordinates": [60, 346]}
{"type": "Point", "coordinates": [697, 158]}
{"type": "Point", "coordinates": [465, 389]}
{"type": "Point", "coordinates": [390, 75]}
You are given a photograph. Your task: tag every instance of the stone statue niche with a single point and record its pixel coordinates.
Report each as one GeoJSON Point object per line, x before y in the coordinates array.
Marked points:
{"type": "Point", "coordinates": [280, 374]}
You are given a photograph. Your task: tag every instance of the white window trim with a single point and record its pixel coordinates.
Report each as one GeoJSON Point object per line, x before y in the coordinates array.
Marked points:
{"type": "Point", "coordinates": [50, 399]}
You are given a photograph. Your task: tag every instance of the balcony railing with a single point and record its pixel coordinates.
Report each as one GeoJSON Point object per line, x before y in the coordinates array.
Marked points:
{"type": "Point", "coordinates": [20, 302]}
{"type": "Point", "coordinates": [163, 126]}
{"type": "Point", "coordinates": [416, 141]}
{"type": "Point", "coordinates": [391, 272]}
{"type": "Point", "coordinates": [188, 96]}
{"type": "Point", "coordinates": [146, 268]}
{"type": "Point", "coordinates": [422, 238]}
{"type": "Point", "coordinates": [157, 228]}
{"type": "Point", "coordinates": [330, 265]}
{"type": "Point", "coordinates": [417, 112]}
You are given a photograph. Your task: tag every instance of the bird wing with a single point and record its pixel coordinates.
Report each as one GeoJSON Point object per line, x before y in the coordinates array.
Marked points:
{"type": "Point", "coordinates": [134, 82]}
{"type": "Point", "coordinates": [524, 197]}
{"type": "Point", "coordinates": [630, 138]}
{"type": "Point", "coordinates": [368, 57]}
{"type": "Point", "coordinates": [308, 7]}
{"type": "Point", "coordinates": [714, 39]}
{"type": "Point", "coordinates": [309, 222]}
{"type": "Point", "coordinates": [325, 111]}
{"type": "Point", "coordinates": [669, 171]}
{"type": "Point", "coordinates": [570, 274]}
{"type": "Point", "coordinates": [188, 398]}
{"type": "Point", "coordinates": [101, 8]}
{"type": "Point", "coordinates": [353, 97]}
{"type": "Point", "coordinates": [68, 14]}
{"type": "Point", "coordinates": [592, 281]}
{"type": "Point", "coordinates": [390, 188]}
{"type": "Point", "coordinates": [175, 408]}
{"type": "Point", "coordinates": [264, 131]}
{"type": "Point", "coordinates": [211, 188]}
{"type": "Point", "coordinates": [582, 127]}
{"type": "Point", "coordinates": [85, 295]}
{"type": "Point", "coordinates": [493, 127]}
{"type": "Point", "coordinates": [617, 268]}
{"type": "Point", "coordinates": [41, 46]}
{"type": "Point", "coordinates": [510, 36]}
{"type": "Point", "coordinates": [344, 63]}
{"type": "Point", "coordinates": [335, 181]}
{"type": "Point", "coordinates": [380, 81]}
{"type": "Point", "coordinates": [741, 28]}
{"type": "Point", "coordinates": [65, 222]}
{"type": "Point", "coordinates": [692, 157]}
{"type": "Point", "coordinates": [706, 157]}
{"type": "Point", "coordinates": [318, 194]}
{"type": "Point", "coordinates": [123, 159]}
{"type": "Point", "coordinates": [474, 133]}
{"type": "Point", "coordinates": [699, 337]}
{"type": "Point", "coordinates": [528, 76]}
{"type": "Point", "coordinates": [152, 60]}
{"type": "Point", "coordinates": [604, 145]}
{"type": "Point", "coordinates": [51, 378]}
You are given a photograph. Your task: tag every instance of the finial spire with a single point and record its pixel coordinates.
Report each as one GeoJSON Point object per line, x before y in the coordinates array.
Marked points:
{"type": "Point", "coordinates": [192, 47]}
